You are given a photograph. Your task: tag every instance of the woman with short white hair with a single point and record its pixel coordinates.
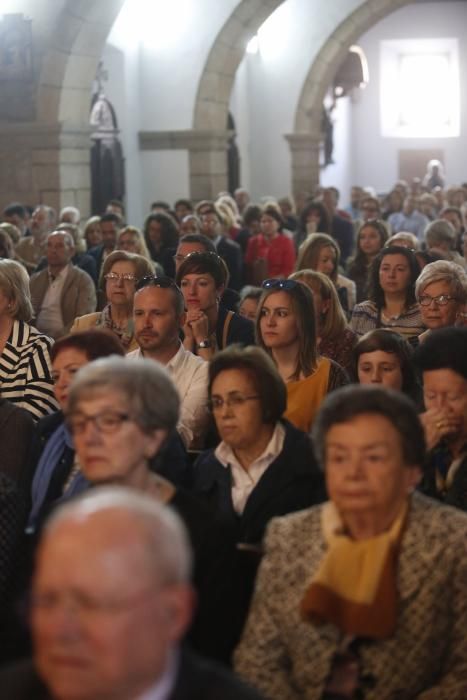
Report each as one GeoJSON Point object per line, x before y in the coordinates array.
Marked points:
{"type": "Point", "coordinates": [441, 292]}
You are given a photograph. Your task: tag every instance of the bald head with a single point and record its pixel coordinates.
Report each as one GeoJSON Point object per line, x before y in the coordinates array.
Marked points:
{"type": "Point", "coordinates": [111, 598]}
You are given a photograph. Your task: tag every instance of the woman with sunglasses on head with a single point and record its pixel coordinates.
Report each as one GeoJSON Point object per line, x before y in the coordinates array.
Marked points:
{"type": "Point", "coordinates": [286, 329]}
{"type": "Point", "coordinates": [371, 238]}
{"type": "Point", "coordinates": [391, 301]}
{"type": "Point", "coordinates": [209, 326]}
{"type": "Point", "coordinates": [120, 272]}
{"type": "Point", "coordinates": [262, 468]}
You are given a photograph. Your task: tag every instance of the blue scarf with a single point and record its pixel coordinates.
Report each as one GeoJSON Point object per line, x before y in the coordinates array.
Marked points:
{"type": "Point", "coordinates": [49, 459]}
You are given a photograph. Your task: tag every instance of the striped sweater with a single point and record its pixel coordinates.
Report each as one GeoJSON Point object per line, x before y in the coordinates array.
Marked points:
{"type": "Point", "coordinates": [25, 377]}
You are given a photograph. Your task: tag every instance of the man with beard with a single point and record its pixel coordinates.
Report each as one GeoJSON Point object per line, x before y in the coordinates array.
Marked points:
{"type": "Point", "coordinates": [159, 316]}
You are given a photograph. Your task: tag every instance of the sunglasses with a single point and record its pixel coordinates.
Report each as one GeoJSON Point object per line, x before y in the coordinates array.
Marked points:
{"type": "Point", "coordinates": [154, 281]}
{"type": "Point", "coordinates": [280, 284]}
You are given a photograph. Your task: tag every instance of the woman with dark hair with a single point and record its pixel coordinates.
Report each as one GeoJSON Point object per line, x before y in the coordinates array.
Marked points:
{"type": "Point", "coordinates": [391, 302]}
{"type": "Point", "coordinates": [314, 218]}
{"type": "Point", "coordinates": [161, 236]}
{"type": "Point", "coordinates": [263, 467]}
{"type": "Point", "coordinates": [334, 337]}
{"type": "Point", "coordinates": [286, 330]}
{"type": "Point", "coordinates": [321, 252]}
{"type": "Point", "coordinates": [209, 326]}
{"type": "Point", "coordinates": [270, 253]}
{"type": "Point", "coordinates": [385, 357]}
{"type": "Point", "coordinates": [371, 238]}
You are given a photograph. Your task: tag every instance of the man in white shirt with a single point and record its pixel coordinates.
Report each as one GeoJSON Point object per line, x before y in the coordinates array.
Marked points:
{"type": "Point", "coordinates": [60, 292]}
{"type": "Point", "coordinates": [159, 316]}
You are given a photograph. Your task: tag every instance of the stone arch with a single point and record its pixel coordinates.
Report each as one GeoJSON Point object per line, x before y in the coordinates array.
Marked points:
{"type": "Point", "coordinates": [305, 141]}
{"type": "Point", "coordinates": [216, 82]}
{"type": "Point", "coordinates": [69, 65]}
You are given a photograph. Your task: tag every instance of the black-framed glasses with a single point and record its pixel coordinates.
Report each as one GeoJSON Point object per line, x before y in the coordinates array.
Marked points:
{"type": "Point", "coordinates": [233, 401]}
{"type": "Point", "coordinates": [107, 422]}
{"type": "Point", "coordinates": [154, 281]}
{"type": "Point", "coordinates": [440, 300]}
{"type": "Point", "coordinates": [275, 283]}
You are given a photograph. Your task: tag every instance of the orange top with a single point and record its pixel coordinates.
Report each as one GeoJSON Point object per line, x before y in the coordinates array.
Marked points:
{"type": "Point", "coordinates": [305, 396]}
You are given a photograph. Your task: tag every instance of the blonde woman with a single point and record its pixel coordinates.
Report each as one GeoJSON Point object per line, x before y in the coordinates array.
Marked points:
{"type": "Point", "coordinates": [335, 339]}
{"type": "Point", "coordinates": [321, 252]}
{"type": "Point", "coordinates": [132, 240]}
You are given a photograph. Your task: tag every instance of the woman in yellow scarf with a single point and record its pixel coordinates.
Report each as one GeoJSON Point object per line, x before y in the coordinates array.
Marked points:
{"type": "Point", "coordinates": [366, 595]}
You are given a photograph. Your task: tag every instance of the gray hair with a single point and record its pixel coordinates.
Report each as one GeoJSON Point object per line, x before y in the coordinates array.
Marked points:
{"type": "Point", "coordinates": [163, 534]}
{"type": "Point", "coordinates": [74, 213]}
{"type": "Point", "coordinates": [152, 396]}
{"type": "Point", "coordinates": [440, 231]}
{"type": "Point", "coordinates": [14, 283]}
{"type": "Point", "coordinates": [407, 236]}
{"type": "Point", "coordinates": [67, 237]}
{"type": "Point", "coordinates": [443, 271]}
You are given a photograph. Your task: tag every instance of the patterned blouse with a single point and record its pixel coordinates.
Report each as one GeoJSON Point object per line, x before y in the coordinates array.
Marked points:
{"type": "Point", "coordinates": [366, 317]}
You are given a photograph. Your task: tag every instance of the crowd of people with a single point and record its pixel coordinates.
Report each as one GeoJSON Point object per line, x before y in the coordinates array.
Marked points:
{"type": "Point", "coordinates": [235, 449]}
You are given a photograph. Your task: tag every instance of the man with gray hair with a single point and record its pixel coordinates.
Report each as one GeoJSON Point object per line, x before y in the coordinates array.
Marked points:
{"type": "Point", "coordinates": [111, 602]}
{"type": "Point", "coordinates": [61, 291]}
{"type": "Point", "coordinates": [30, 249]}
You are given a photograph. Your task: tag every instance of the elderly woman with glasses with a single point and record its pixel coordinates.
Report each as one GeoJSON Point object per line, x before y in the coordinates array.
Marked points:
{"type": "Point", "coordinates": [121, 415]}
{"type": "Point", "coordinates": [441, 291]}
{"type": "Point", "coordinates": [120, 272]}
{"type": "Point", "coordinates": [286, 330]}
{"type": "Point", "coordinates": [364, 596]}
{"type": "Point", "coordinates": [209, 326]}
{"type": "Point", "coordinates": [263, 467]}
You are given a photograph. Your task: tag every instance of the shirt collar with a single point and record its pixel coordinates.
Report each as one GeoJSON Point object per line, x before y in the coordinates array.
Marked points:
{"type": "Point", "coordinates": [226, 455]}
{"type": "Point", "coordinates": [165, 684]}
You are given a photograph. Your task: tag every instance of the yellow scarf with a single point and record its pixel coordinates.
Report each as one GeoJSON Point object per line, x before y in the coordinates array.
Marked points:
{"type": "Point", "coordinates": [355, 587]}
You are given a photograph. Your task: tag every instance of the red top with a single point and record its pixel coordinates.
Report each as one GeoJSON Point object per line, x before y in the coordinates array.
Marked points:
{"type": "Point", "coordinates": [279, 254]}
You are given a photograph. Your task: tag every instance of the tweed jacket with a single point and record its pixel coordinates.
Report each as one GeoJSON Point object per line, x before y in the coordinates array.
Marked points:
{"type": "Point", "coordinates": [78, 295]}
{"type": "Point", "coordinates": [289, 659]}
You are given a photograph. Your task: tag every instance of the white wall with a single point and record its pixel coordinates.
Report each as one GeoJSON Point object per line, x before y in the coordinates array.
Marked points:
{"type": "Point", "coordinates": [376, 160]}
{"type": "Point", "coordinates": [161, 47]}
{"type": "Point", "coordinates": [267, 90]}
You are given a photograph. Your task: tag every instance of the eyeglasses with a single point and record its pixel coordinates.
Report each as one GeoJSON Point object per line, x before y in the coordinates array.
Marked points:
{"type": "Point", "coordinates": [114, 277]}
{"type": "Point", "coordinates": [85, 607]}
{"type": "Point", "coordinates": [440, 300]}
{"type": "Point", "coordinates": [280, 284]}
{"type": "Point", "coordinates": [155, 281]}
{"type": "Point", "coordinates": [108, 422]}
{"type": "Point", "coordinates": [232, 401]}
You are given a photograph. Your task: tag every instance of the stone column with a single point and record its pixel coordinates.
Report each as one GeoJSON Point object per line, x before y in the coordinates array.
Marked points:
{"type": "Point", "coordinates": [42, 163]}
{"type": "Point", "coordinates": [304, 151]}
{"type": "Point", "coordinates": [207, 156]}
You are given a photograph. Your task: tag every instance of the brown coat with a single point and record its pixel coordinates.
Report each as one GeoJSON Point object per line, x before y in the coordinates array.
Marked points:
{"type": "Point", "coordinates": [289, 659]}
{"type": "Point", "coordinates": [78, 295]}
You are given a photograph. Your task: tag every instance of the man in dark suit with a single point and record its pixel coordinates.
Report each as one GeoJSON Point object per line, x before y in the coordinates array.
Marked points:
{"type": "Point", "coordinates": [341, 228]}
{"type": "Point", "coordinates": [110, 225]}
{"type": "Point", "coordinates": [211, 226]}
{"type": "Point", "coordinates": [111, 602]}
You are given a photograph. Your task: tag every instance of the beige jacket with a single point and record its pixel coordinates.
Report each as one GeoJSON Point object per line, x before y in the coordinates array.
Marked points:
{"type": "Point", "coordinates": [426, 659]}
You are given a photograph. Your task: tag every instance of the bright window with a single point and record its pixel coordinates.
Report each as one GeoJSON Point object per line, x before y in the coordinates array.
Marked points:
{"type": "Point", "coordinates": [420, 88]}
